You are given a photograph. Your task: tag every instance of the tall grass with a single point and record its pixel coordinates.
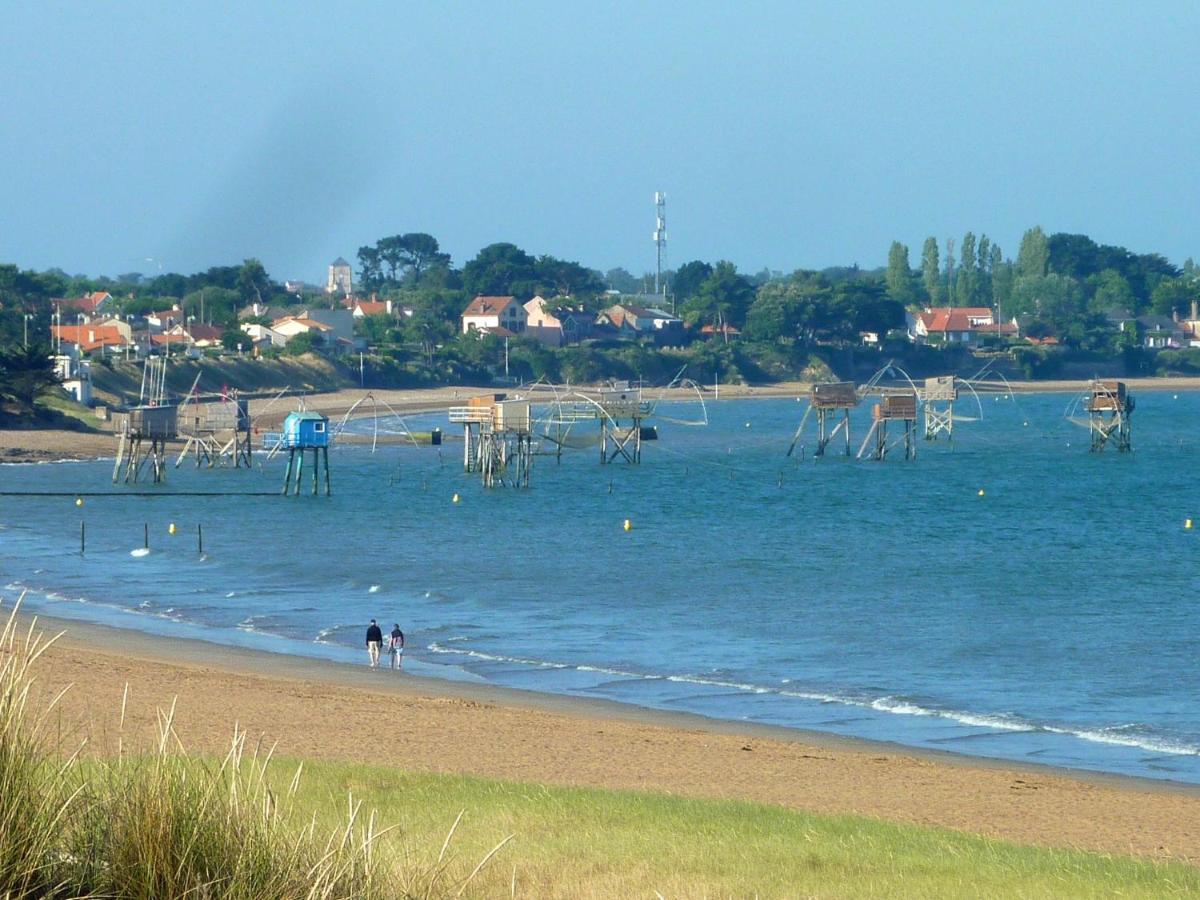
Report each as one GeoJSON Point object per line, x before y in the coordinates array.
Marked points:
{"type": "Point", "coordinates": [167, 825]}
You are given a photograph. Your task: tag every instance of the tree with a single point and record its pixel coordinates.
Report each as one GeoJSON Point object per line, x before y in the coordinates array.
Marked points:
{"type": "Point", "coordinates": [967, 285]}
{"type": "Point", "coordinates": [929, 270]}
{"type": "Point", "coordinates": [1110, 292]}
{"type": "Point", "coordinates": [419, 251]}
{"type": "Point", "coordinates": [305, 342]}
{"type": "Point", "coordinates": [724, 299]}
{"type": "Point", "coordinates": [233, 338]}
{"type": "Point", "coordinates": [212, 305]}
{"type": "Point", "coordinates": [252, 280]}
{"type": "Point", "coordinates": [950, 298]}
{"type": "Point", "coordinates": [899, 275]}
{"type": "Point", "coordinates": [500, 270]}
{"type": "Point", "coordinates": [26, 373]}
{"type": "Point", "coordinates": [619, 279]}
{"type": "Point", "coordinates": [984, 254]}
{"type": "Point", "coordinates": [1034, 256]}
{"type": "Point", "coordinates": [370, 273]}
{"type": "Point", "coordinates": [1173, 295]}
{"type": "Point", "coordinates": [687, 280]}
{"type": "Point", "coordinates": [564, 278]}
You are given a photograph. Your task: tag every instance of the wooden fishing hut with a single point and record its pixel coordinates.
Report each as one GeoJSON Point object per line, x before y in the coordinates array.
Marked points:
{"type": "Point", "coordinates": [614, 406]}
{"type": "Point", "coordinates": [497, 439]}
{"type": "Point", "coordinates": [303, 431]}
{"type": "Point", "coordinates": [142, 435]}
{"type": "Point", "coordinates": [1109, 408]}
{"type": "Point", "coordinates": [216, 431]}
{"type": "Point", "coordinates": [939, 396]}
{"type": "Point", "coordinates": [827, 401]}
{"type": "Point", "coordinates": [899, 406]}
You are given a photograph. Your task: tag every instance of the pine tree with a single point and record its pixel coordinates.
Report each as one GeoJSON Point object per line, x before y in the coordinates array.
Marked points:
{"type": "Point", "coordinates": [899, 275]}
{"type": "Point", "coordinates": [1034, 255]}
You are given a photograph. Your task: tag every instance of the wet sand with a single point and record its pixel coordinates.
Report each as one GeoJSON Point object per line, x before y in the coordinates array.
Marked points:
{"type": "Point", "coordinates": [322, 710]}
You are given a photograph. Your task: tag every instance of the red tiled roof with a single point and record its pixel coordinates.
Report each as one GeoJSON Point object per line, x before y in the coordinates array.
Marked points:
{"type": "Point", "coordinates": [372, 307]}
{"type": "Point", "coordinates": [85, 304]}
{"type": "Point", "coordinates": [89, 337]}
{"type": "Point", "coordinates": [488, 306]}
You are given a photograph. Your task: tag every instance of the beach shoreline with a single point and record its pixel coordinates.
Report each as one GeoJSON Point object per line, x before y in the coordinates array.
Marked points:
{"type": "Point", "coordinates": [60, 445]}
{"type": "Point", "coordinates": [316, 709]}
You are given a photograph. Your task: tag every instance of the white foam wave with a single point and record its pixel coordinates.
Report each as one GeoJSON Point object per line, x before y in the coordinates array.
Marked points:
{"type": "Point", "coordinates": [1129, 736]}
{"type": "Point", "coordinates": [140, 551]}
{"type": "Point", "coordinates": [435, 647]}
{"type": "Point", "coordinates": [373, 589]}
{"type": "Point", "coordinates": [905, 708]}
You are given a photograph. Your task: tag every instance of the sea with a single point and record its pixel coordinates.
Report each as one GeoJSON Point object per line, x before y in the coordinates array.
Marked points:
{"type": "Point", "coordinates": [1009, 594]}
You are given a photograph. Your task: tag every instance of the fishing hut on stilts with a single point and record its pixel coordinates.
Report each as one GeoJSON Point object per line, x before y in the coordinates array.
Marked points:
{"type": "Point", "coordinates": [497, 439]}
{"type": "Point", "coordinates": [939, 396]}
{"type": "Point", "coordinates": [896, 405]}
{"type": "Point", "coordinates": [829, 401]}
{"type": "Point", "coordinates": [143, 431]}
{"type": "Point", "coordinates": [303, 431]}
{"type": "Point", "coordinates": [216, 432]}
{"type": "Point", "coordinates": [1109, 409]}
{"type": "Point", "coordinates": [614, 407]}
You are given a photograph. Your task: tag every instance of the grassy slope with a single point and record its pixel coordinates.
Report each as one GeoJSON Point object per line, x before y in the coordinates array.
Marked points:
{"type": "Point", "coordinates": [309, 372]}
{"type": "Point", "coordinates": [593, 843]}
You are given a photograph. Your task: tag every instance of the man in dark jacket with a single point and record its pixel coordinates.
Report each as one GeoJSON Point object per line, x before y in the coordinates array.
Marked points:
{"type": "Point", "coordinates": [374, 642]}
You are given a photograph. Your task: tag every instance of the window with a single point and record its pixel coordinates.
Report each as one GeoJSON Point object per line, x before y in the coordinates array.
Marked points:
{"type": "Point", "coordinates": [319, 427]}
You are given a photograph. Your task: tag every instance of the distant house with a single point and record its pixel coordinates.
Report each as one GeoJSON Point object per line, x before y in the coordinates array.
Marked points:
{"type": "Point", "coordinates": [1162, 332]}
{"type": "Point", "coordinates": [341, 278]}
{"type": "Point", "coordinates": [486, 314]}
{"type": "Point", "coordinates": [164, 320]}
{"type": "Point", "coordinates": [290, 326]}
{"type": "Point", "coordinates": [89, 306]}
{"type": "Point", "coordinates": [577, 325]}
{"type": "Point", "coordinates": [262, 336]}
{"type": "Point", "coordinates": [340, 323]}
{"type": "Point", "coordinates": [956, 325]}
{"type": "Point", "coordinates": [263, 311]}
{"type": "Point", "coordinates": [638, 321]}
{"type": "Point", "coordinates": [198, 334]}
{"type": "Point", "coordinates": [725, 331]}
{"type": "Point", "coordinates": [92, 338]}
{"type": "Point", "coordinates": [294, 286]}
{"type": "Point", "coordinates": [543, 323]}
{"type": "Point", "coordinates": [364, 308]}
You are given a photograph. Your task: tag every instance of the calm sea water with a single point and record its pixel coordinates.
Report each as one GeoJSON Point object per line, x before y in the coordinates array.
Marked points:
{"type": "Point", "coordinates": [1054, 619]}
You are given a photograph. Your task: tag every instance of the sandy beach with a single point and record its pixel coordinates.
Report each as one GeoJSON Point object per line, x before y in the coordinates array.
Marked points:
{"type": "Point", "coordinates": [322, 710]}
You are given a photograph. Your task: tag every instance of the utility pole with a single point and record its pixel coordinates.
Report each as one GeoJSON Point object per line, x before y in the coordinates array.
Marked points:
{"type": "Point", "coordinates": [660, 236]}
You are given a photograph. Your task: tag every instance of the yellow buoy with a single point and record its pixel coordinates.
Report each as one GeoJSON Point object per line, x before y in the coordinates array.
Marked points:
{"type": "Point", "coordinates": [981, 492]}
{"type": "Point", "coordinates": [454, 499]}
{"type": "Point", "coordinates": [79, 501]}
{"type": "Point", "coordinates": [1187, 523]}
{"type": "Point", "coordinates": [171, 528]}
{"type": "Point", "coordinates": [628, 525]}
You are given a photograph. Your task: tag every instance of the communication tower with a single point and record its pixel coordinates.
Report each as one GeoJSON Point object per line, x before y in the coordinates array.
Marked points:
{"type": "Point", "coordinates": [660, 236]}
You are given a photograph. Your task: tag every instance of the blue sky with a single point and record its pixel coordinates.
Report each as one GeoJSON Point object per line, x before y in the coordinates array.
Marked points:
{"type": "Point", "coordinates": [784, 134]}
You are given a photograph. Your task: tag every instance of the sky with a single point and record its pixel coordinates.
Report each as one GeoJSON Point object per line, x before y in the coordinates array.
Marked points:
{"type": "Point", "coordinates": [143, 136]}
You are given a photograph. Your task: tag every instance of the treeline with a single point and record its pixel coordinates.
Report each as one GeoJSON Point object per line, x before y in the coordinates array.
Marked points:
{"type": "Point", "coordinates": [1060, 285]}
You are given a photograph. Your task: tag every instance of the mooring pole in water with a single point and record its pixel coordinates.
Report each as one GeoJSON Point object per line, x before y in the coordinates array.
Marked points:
{"type": "Point", "coordinates": [82, 537]}
{"type": "Point", "coordinates": [200, 539]}
{"type": "Point", "coordinates": [146, 535]}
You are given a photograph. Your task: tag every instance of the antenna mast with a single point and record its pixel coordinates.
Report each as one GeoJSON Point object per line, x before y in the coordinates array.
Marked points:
{"type": "Point", "coordinates": [660, 237]}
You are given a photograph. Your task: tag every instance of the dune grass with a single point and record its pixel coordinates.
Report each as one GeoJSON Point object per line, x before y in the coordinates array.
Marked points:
{"type": "Point", "coordinates": [580, 842]}
{"type": "Point", "coordinates": [168, 824]}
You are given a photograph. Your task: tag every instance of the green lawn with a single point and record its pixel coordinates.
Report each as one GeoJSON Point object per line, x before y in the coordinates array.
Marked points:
{"type": "Point", "coordinates": [574, 842]}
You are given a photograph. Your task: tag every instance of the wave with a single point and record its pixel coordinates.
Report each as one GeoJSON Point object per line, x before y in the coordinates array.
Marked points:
{"type": "Point", "coordinates": [1134, 736]}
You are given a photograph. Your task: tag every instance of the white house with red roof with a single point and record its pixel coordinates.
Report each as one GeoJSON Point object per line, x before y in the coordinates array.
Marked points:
{"type": "Point", "coordinates": [955, 325]}
{"type": "Point", "coordinates": [486, 314]}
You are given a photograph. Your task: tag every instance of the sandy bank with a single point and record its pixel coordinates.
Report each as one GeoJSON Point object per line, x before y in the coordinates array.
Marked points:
{"type": "Point", "coordinates": [322, 710]}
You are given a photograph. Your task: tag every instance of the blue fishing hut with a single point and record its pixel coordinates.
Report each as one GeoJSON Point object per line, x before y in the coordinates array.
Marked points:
{"type": "Point", "coordinates": [304, 430]}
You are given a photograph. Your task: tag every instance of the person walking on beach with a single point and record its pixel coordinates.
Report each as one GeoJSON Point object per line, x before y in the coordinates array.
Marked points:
{"type": "Point", "coordinates": [374, 643]}
{"type": "Point", "coordinates": [396, 647]}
